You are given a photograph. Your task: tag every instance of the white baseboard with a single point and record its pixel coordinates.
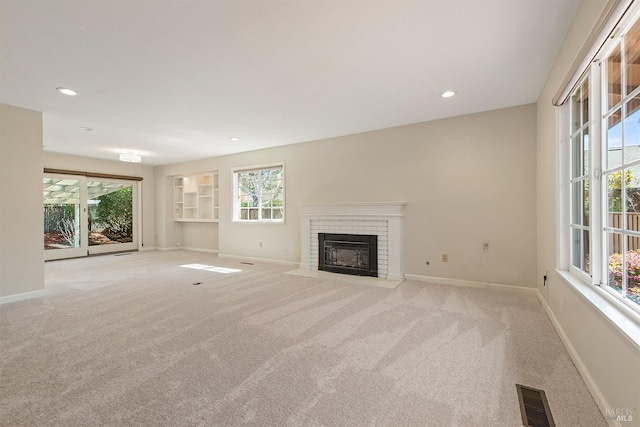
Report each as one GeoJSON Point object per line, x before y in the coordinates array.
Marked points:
{"type": "Point", "coordinates": [146, 249]}
{"type": "Point", "coordinates": [579, 364]}
{"type": "Point", "coordinates": [209, 251]}
{"type": "Point", "coordinates": [264, 260]}
{"type": "Point", "coordinates": [168, 249]}
{"type": "Point", "coordinates": [23, 296]}
{"type": "Point", "coordinates": [467, 283]}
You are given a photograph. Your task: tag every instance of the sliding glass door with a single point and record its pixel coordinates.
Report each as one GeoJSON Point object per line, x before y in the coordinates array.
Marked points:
{"type": "Point", "coordinates": [85, 216]}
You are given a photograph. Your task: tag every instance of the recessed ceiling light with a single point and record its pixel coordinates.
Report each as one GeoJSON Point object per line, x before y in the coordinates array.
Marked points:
{"type": "Point", "coordinates": [447, 94]}
{"type": "Point", "coordinates": [88, 129]}
{"type": "Point", "coordinates": [234, 138]}
{"type": "Point", "coordinates": [130, 157]}
{"type": "Point", "coordinates": [67, 91]}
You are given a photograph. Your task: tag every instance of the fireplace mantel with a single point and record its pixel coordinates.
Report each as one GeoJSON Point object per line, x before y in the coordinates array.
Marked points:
{"type": "Point", "coordinates": [361, 209]}
{"type": "Point", "coordinates": [381, 218]}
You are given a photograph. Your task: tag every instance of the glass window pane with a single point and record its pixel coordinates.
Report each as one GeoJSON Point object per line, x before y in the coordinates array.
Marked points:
{"type": "Point", "coordinates": [110, 209]}
{"type": "Point", "coordinates": [614, 78]}
{"type": "Point", "coordinates": [615, 268]}
{"type": "Point", "coordinates": [633, 224]}
{"type": "Point", "coordinates": [575, 112]}
{"type": "Point", "coordinates": [633, 292]}
{"type": "Point", "coordinates": [632, 57]}
{"type": "Point", "coordinates": [632, 130]}
{"type": "Point", "coordinates": [576, 240]}
{"type": "Point", "coordinates": [585, 101]}
{"type": "Point", "coordinates": [576, 156]}
{"type": "Point", "coordinates": [248, 201]}
{"type": "Point", "coordinates": [586, 253]}
{"type": "Point", "coordinates": [633, 243]}
{"type": "Point", "coordinates": [585, 202]}
{"type": "Point", "coordinates": [576, 205]}
{"type": "Point", "coordinates": [614, 141]}
{"type": "Point", "coordinates": [585, 152]}
{"type": "Point", "coordinates": [61, 213]}
{"type": "Point", "coordinates": [266, 213]}
{"type": "Point", "coordinates": [632, 261]}
{"type": "Point", "coordinates": [253, 214]}
{"type": "Point", "coordinates": [266, 199]}
{"type": "Point", "coordinates": [632, 193]}
{"type": "Point", "coordinates": [278, 213]}
{"type": "Point", "coordinates": [614, 199]}
{"type": "Point", "coordinates": [272, 186]}
{"type": "Point", "coordinates": [614, 220]}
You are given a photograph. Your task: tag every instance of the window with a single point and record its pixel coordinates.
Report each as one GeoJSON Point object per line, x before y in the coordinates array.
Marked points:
{"type": "Point", "coordinates": [604, 178]}
{"type": "Point", "coordinates": [259, 194]}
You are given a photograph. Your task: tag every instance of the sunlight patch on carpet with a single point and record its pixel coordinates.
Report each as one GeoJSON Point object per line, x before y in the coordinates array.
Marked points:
{"type": "Point", "coordinates": [212, 268]}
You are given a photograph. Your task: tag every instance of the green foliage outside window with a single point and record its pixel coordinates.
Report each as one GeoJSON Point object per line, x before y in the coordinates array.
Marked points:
{"type": "Point", "coordinates": [114, 212]}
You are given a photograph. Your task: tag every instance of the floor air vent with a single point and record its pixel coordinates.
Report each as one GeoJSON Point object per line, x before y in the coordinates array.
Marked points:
{"type": "Point", "coordinates": [534, 407]}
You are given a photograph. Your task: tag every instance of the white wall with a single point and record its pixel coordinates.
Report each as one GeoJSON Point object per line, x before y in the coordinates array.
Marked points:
{"type": "Point", "coordinates": [85, 164]}
{"type": "Point", "coordinates": [467, 180]}
{"type": "Point", "coordinates": [611, 363]}
{"type": "Point", "coordinates": [21, 242]}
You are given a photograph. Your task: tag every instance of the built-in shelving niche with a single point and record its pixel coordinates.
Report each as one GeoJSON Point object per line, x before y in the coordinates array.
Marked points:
{"type": "Point", "coordinates": [195, 197]}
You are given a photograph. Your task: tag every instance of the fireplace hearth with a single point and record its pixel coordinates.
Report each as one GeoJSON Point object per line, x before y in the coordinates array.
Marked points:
{"type": "Point", "coordinates": [353, 254]}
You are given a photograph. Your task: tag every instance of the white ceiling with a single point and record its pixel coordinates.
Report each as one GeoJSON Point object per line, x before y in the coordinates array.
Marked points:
{"type": "Point", "coordinates": [174, 80]}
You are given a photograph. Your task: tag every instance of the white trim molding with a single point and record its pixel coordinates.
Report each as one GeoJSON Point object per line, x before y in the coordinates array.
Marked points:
{"type": "Point", "coordinates": [209, 251]}
{"type": "Point", "coordinates": [20, 297]}
{"type": "Point", "coordinates": [263, 260]}
{"type": "Point", "coordinates": [360, 215]}
{"type": "Point", "coordinates": [177, 248]}
{"type": "Point", "coordinates": [467, 283]}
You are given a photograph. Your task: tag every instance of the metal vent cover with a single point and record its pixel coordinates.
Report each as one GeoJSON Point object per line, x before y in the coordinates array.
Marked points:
{"type": "Point", "coordinates": [534, 407]}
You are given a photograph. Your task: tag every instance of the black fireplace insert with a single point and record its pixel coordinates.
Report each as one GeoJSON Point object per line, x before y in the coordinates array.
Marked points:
{"type": "Point", "coordinates": [348, 254]}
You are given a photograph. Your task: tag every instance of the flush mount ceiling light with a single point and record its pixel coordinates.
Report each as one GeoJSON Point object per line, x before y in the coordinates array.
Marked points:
{"type": "Point", "coordinates": [234, 138]}
{"type": "Point", "coordinates": [130, 157]}
{"type": "Point", "coordinates": [66, 91]}
{"type": "Point", "coordinates": [86, 128]}
{"type": "Point", "coordinates": [447, 94]}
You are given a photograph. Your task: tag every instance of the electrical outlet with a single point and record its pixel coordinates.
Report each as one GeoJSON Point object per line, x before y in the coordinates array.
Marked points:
{"type": "Point", "coordinates": [260, 244]}
{"type": "Point", "coordinates": [445, 258]}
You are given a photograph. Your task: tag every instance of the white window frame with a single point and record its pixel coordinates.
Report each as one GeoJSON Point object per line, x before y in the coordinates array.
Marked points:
{"type": "Point", "coordinates": [584, 275]}
{"type": "Point", "coordinates": [236, 208]}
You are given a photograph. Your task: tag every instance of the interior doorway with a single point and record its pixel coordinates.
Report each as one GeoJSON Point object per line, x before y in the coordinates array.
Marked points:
{"type": "Point", "coordinates": [86, 215]}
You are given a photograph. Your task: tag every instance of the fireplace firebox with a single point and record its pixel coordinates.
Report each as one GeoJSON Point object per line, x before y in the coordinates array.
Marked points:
{"type": "Point", "coordinates": [348, 254]}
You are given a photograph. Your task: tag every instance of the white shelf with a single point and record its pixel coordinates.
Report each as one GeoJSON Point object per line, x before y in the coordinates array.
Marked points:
{"type": "Point", "coordinates": [195, 198]}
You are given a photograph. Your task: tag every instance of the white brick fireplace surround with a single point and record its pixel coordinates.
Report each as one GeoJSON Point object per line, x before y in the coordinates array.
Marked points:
{"type": "Point", "coordinates": [382, 219]}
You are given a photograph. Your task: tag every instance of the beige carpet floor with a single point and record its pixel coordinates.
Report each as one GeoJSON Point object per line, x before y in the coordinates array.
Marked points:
{"type": "Point", "coordinates": [130, 341]}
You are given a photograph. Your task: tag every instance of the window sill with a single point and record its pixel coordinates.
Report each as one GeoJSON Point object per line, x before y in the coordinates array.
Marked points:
{"type": "Point", "coordinates": [621, 317]}
{"type": "Point", "coordinates": [260, 222]}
